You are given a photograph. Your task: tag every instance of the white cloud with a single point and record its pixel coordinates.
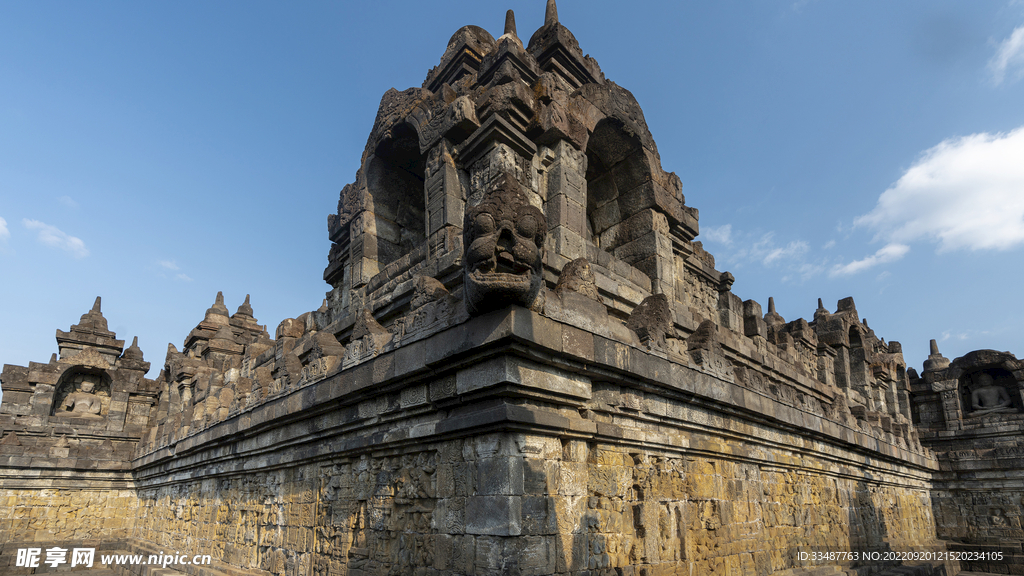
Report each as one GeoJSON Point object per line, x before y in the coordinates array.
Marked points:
{"type": "Point", "coordinates": [67, 202]}
{"type": "Point", "coordinates": [4, 232]}
{"type": "Point", "coordinates": [169, 264]}
{"type": "Point", "coordinates": [55, 238]}
{"type": "Point", "coordinates": [1009, 57]}
{"type": "Point", "coordinates": [183, 278]}
{"type": "Point", "coordinates": [791, 259]}
{"type": "Point", "coordinates": [966, 335]}
{"type": "Point", "coordinates": [794, 249]}
{"type": "Point", "coordinates": [720, 234]}
{"type": "Point", "coordinates": [885, 254]}
{"type": "Point", "coordinates": [964, 193]}
{"type": "Point", "coordinates": [768, 253]}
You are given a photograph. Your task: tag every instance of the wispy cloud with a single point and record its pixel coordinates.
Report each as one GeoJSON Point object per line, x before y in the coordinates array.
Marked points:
{"type": "Point", "coordinates": [794, 249]}
{"type": "Point", "coordinates": [4, 235]}
{"type": "Point", "coordinates": [965, 335]}
{"type": "Point", "coordinates": [964, 193]}
{"type": "Point", "coordinates": [718, 234]}
{"type": "Point", "coordinates": [1009, 57]}
{"type": "Point", "coordinates": [55, 238]}
{"type": "Point", "coordinates": [768, 253]}
{"type": "Point", "coordinates": [799, 5]}
{"type": "Point", "coordinates": [172, 266]}
{"type": "Point", "coordinates": [885, 254]}
{"type": "Point", "coordinates": [67, 202]}
{"type": "Point", "coordinates": [743, 248]}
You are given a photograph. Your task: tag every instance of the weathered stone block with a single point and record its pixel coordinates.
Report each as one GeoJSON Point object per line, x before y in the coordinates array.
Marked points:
{"type": "Point", "coordinates": [494, 515]}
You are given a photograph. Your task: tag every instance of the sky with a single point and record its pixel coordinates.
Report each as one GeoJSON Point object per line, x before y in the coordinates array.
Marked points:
{"type": "Point", "coordinates": [157, 153]}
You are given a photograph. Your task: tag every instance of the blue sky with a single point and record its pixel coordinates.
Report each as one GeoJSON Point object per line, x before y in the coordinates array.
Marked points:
{"type": "Point", "coordinates": [155, 153]}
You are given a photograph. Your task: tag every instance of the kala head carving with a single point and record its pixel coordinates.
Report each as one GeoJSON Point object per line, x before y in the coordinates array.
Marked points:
{"type": "Point", "coordinates": [504, 240]}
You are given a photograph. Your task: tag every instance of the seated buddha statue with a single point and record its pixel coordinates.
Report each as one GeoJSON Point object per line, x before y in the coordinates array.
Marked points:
{"type": "Point", "coordinates": [84, 403]}
{"type": "Point", "coordinates": [987, 398]}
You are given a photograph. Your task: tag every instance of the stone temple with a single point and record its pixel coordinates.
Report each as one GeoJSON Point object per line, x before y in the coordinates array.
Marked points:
{"type": "Point", "coordinates": [525, 365]}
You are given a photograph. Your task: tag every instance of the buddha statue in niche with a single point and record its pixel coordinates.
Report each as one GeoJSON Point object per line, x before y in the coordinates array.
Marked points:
{"type": "Point", "coordinates": [84, 403]}
{"type": "Point", "coordinates": [988, 398]}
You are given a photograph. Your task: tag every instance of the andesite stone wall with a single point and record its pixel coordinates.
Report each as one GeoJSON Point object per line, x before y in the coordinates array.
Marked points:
{"type": "Point", "coordinates": [978, 493]}
{"type": "Point", "coordinates": [526, 364]}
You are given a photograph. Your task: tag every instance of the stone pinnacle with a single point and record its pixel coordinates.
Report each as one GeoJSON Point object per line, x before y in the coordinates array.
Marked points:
{"type": "Point", "coordinates": [550, 13]}
{"type": "Point", "coordinates": [245, 309]}
{"type": "Point", "coordinates": [510, 23]}
{"type": "Point", "coordinates": [218, 306]}
{"type": "Point", "coordinates": [934, 347]}
{"type": "Point", "coordinates": [96, 305]}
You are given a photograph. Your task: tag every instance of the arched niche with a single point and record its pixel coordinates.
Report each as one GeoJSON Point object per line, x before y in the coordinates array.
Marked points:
{"type": "Point", "coordinates": [394, 177]}
{"type": "Point", "coordinates": [77, 391]}
{"type": "Point", "coordinates": [616, 167]}
{"type": "Point", "coordinates": [855, 338]}
{"type": "Point", "coordinates": [1001, 378]}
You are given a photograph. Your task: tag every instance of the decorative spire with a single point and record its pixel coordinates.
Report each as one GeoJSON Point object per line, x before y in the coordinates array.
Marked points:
{"type": "Point", "coordinates": [551, 13]}
{"type": "Point", "coordinates": [93, 319]}
{"type": "Point", "coordinates": [772, 318]}
{"type": "Point", "coordinates": [245, 309]}
{"type": "Point", "coordinates": [133, 352]}
{"type": "Point", "coordinates": [821, 312]}
{"type": "Point", "coordinates": [935, 360]}
{"type": "Point", "coordinates": [510, 23]}
{"type": "Point", "coordinates": [218, 306]}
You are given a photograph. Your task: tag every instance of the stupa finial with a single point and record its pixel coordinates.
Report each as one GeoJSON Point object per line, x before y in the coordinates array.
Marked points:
{"type": "Point", "coordinates": [510, 23]}
{"type": "Point", "coordinates": [551, 13]}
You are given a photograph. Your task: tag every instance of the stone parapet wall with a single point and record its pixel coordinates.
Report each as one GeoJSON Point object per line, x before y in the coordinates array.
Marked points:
{"type": "Point", "coordinates": [61, 516]}
{"type": "Point", "coordinates": [978, 492]}
{"type": "Point", "coordinates": [534, 505]}
{"type": "Point", "coordinates": [529, 456]}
